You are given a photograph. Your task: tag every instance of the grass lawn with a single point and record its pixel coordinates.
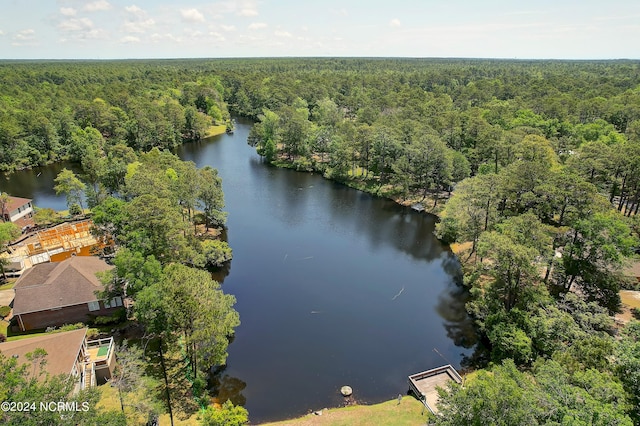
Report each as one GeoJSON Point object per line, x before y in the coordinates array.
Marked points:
{"type": "Point", "coordinates": [191, 421]}
{"type": "Point", "coordinates": [215, 130]}
{"type": "Point", "coordinates": [409, 412]}
{"type": "Point", "coordinates": [109, 401]}
{"type": "Point", "coordinates": [19, 335]}
{"type": "Point", "coordinates": [64, 214]}
{"type": "Point", "coordinates": [9, 285]}
{"type": "Point", "coordinates": [23, 334]}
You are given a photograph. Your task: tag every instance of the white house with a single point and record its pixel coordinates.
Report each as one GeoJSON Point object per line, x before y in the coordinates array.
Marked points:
{"type": "Point", "coordinates": [19, 211]}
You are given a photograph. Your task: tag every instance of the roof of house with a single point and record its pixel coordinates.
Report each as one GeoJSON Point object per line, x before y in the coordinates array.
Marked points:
{"type": "Point", "coordinates": [62, 349]}
{"type": "Point", "coordinates": [56, 285]}
{"type": "Point", "coordinates": [15, 202]}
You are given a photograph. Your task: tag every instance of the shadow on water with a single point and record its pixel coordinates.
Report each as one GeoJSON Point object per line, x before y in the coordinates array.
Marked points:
{"type": "Point", "coordinates": [381, 220]}
{"type": "Point", "coordinates": [227, 388]}
{"type": "Point", "coordinates": [221, 272]}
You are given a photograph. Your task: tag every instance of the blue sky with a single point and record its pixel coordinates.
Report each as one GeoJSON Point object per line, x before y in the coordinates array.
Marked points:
{"type": "Point", "coordinates": [108, 29]}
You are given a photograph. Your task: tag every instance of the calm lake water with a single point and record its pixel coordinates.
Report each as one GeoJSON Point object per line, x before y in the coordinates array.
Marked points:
{"type": "Point", "coordinates": [334, 287]}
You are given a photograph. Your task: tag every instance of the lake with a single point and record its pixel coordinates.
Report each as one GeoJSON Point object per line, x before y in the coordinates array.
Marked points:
{"type": "Point", "coordinates": [334, 286]}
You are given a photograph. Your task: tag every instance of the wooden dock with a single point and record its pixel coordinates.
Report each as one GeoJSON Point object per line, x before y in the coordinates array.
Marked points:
{"type": "Point", "coordinates": [424, 384]}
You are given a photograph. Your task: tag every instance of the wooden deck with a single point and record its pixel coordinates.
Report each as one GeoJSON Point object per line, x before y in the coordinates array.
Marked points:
{"type": "Point", "coordinates": [424, 384]}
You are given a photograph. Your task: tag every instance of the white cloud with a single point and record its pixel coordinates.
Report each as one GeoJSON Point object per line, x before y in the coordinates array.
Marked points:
{"type": "Point", "coordinates": [129, 39]}
{"type": "Point", "coordinates": [248, 39]}
{"type": "Point", "coordinates": [75, 24]}
{"type": "Point", "coordinates": [27, 34]}
{"type": "Point", "coordinates": [257, 26]}
{"type": "Point", "coordinates": [280, 33]}
{"type": "Point", "coordinates": [237, 7]}
{"type": "Point", "coordinates": [138, 26]}
{"type": "Point", "coordinates": [245, 8]}
{"type": "Point", "coordinates": [340, 12]}
{"type": "Point", "coordinates": [190, 32]}
{"type": "Point", "coordinates": [228, 27]}
{"type": "Point", "coordinates": [192, 15]}
{"type": "Point", "coordinates": [97, 5]}
{"type": "Point", "coordinates": [1, 33]}
{"type": "Point", "coordinates": [165, 37]}
{"type": "Point", "coordinates": [137, 20]}
{"type": "Point", "coordinates": [79, 29]}
{"type": "Point", "coordinates": [217, 36]}
{"type": "Point", "coordinates": [395, 23]}
{"type": "Point", "coordinates": [25, 38]}
{"type": "Point", "coordinates": [68, 11]}
{"type": "Point", "coordinates": [248, 11]}
{"type": "Point", "coordinates": [135, 10]}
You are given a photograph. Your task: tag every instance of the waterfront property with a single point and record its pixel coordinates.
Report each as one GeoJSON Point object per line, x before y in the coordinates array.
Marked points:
{"type": "Point", "coordinates": [19, 211]}
{"type": "Point", "coordinates": [89, 362]}
{"type": "Point", "coordinates": [424, 385]}
{"type": "Point", "coordinates": [54, 294]}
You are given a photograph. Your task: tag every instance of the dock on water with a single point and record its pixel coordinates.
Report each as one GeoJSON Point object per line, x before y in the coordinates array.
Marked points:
{"type": "Point", "coordinates": [424, 384]}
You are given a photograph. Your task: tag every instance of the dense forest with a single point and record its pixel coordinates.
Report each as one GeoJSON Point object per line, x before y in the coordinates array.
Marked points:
{"type": "Point", "coordinates": [532, 166]}
{"type": "Point", "coordinates": [79, 111]}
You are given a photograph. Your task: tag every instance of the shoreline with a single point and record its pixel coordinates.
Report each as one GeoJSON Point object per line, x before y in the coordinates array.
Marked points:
{"type": "Point", "coordinates": [373, 188]}
{"type": "Point", "coordinates": [409, 411]}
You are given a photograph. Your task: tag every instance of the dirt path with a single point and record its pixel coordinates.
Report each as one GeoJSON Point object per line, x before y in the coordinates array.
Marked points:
{"type": "Point", "coordinates": [630, 299]}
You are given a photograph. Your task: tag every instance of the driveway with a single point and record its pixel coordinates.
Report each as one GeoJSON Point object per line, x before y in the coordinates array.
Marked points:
{"type": "Point", "coordinates": [6, 297]}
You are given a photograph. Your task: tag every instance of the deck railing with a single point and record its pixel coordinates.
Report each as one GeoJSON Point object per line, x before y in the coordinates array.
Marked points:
{"type": "Point", "coordinates": [445, 368]}
{"type": "Point", "coordinates": [93, 344]}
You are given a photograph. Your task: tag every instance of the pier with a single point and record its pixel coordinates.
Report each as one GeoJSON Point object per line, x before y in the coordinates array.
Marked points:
{"type": "Point", "coordinates": [424, 384]}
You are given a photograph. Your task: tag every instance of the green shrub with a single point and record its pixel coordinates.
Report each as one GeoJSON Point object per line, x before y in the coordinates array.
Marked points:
{"type": "Point", "coordinates": [447, 230]}
{"type": "Point", "coordinates": [118, 316]}
{"type": "Point", "coordinates": [227, 415]}
{"type": "Point", "coordinates": [75, 210]}
{"type": "Point", "coordinates": [4, 311]}
{"type": "Point", "coordinates": [216, 252]}
{"type": "Point", "coordinates": [303, 164]}
{"type": "Point", "coordinates": [71, 327]}
{"type": "Point", "coordinates": [636, 313]}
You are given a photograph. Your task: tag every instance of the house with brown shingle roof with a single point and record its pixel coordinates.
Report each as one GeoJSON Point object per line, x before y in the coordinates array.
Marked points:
{"type": "Point", "coordinates": [68, 353]}
{"type": "Point", "coordinates": [54, 294]}
{"type": "Point", "coordinates": [19, 211]}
